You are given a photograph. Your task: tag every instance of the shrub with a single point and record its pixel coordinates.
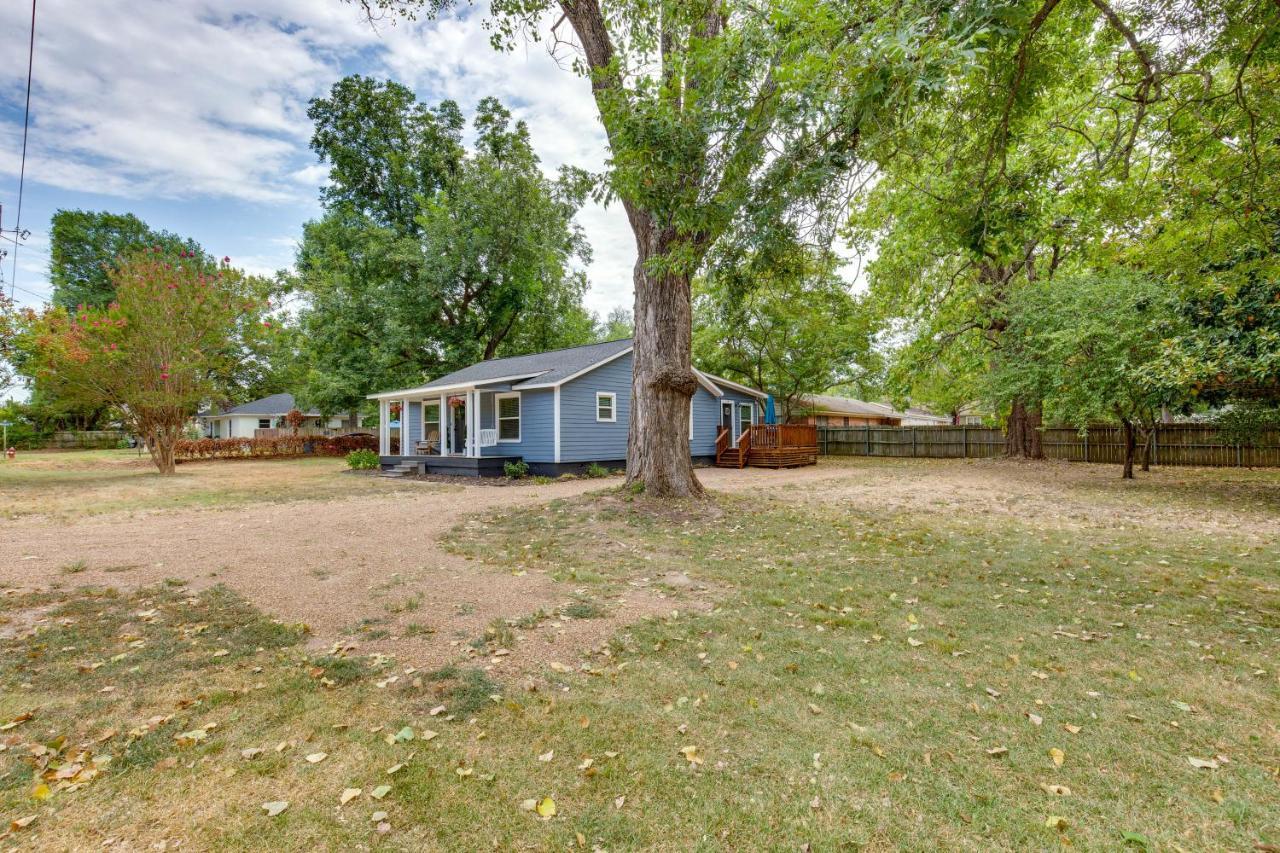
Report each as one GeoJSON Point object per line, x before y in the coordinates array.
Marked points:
{"type": "Point", "coordinates": [516, 470]}
{"type": "Point", "coordinates": [595, 471]}
{"type": "Point", "coordinates": [362, 460]}
{"type": "Point", "coordinates": [280, 446]}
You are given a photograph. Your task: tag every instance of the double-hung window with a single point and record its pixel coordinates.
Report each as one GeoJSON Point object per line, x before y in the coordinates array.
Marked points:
{"type": "Point", "coordinates": [264, 423]}
{"type": "Point", "coordinates": [744, 417]}
{"type": "Point", "coordinates": [431, 426]}
{"type": "Point", "coordinates": [509, 417]}
{"type": "Point", "coordinates": [606, 407]}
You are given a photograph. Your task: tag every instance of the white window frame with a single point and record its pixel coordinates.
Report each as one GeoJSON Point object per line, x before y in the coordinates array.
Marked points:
{"type": "Point", "coordinates": [498, 419]}
{"type": "Point", "coordinates": [262, 421]}
{"type": "Point", "coordinates": [751, 415]}
{"type": "Point", "coordinates": [613, 407]}
{"type": "Point", "coordinates": [439, 422]}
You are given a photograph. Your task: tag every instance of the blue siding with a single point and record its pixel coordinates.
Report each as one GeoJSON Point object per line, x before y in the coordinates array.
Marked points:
{"type": "Point", "coordinates": [706, 417]}
{"type": "Point", "coordinates": [537, 427]}
{"type": "Point", "coordinates": [582, 438]}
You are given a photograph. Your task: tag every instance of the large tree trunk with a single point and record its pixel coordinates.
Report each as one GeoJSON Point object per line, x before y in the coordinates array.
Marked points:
{"type": "Point", "coordinates": [1130, 449]}
{"type": "Point", "coordinates": [1022, 434]}
{"type": "Point", "coordinates": [662, 382]}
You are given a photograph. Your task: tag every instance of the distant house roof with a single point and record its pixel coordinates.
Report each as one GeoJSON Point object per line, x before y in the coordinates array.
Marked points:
{"type": "Point", "coordinates": [848, 406]}
{"type": "Point", "coordinates": [926, 415]}
{"type": "Point", "coordinates": [276, 404]}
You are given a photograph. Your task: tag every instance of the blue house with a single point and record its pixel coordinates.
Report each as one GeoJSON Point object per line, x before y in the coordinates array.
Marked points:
{"type": "Point", "coordinates": [558, 411]}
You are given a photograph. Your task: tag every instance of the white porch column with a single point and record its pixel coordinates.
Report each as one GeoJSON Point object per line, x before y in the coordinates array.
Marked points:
{"type": "Point", "coordinates": [473, 423]}
{"type": "Point", "coordinates": [384, 428]}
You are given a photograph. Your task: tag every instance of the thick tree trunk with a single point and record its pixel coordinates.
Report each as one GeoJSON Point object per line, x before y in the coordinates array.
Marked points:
{"type": "Point", "coordinates": [1022, 434]}
{"type": "Point", "coordinates": [662, 382]}
{"type": "Point", "coordinates": [1130, 449]}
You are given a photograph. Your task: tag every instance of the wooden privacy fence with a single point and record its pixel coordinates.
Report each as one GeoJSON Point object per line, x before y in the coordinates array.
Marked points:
{"type": "Point", "coordinates": [1175, 444]}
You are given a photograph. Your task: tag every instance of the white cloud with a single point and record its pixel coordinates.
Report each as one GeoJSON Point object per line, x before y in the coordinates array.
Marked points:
{"type": "Point", "coordinates": [199, 99]}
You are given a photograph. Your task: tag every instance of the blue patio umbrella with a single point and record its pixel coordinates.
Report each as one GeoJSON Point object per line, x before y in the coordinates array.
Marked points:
{"type": "Point", "coordinates": [770, 416]}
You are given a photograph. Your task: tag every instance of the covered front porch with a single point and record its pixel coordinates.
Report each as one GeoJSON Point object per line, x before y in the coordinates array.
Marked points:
{"type": "Point", "coordinates": [455, 430]}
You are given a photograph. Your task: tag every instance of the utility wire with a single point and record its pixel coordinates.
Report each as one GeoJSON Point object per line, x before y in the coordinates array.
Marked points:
{"type": "Point", "coordinates": [22, 170]}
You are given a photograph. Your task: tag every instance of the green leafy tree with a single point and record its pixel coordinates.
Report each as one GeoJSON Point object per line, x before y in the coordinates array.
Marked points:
{"type": "Point", "coordinates": [617, 324]}
{"type": "Point", "coordinates": [723, 115]}
{"type": "Point", "coordinates": [784, 321]}
{"type": "Point", "coordinates": [1084, 346]}
{"type": "Point", "coordinates": [178, 325]}
{"type": "Point", "coordinates": [430, 257]}
{"type": "Point", "coordinates": [85, 244]}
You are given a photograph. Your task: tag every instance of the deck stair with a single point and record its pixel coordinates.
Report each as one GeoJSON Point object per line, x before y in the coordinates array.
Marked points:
{"type": "Point", "coordinates": [769, 446]}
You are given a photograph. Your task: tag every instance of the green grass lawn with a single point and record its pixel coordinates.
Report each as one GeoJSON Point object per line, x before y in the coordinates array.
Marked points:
{"type": "Point", "coordinates": [868, 681]}
{"type": "Point", "coordinates": [72, 484]}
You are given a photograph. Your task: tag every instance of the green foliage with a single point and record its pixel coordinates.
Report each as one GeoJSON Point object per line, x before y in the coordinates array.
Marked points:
{"type": "Point", "coordinates": [84, 245]}
{"type": "Point", "coordinates": [362, 460]}
{"type": "Point", "coordinates": [781, 318]}
{"type": "Point", "coordinates": [618, 324]}
{"type": "Point", "coordinates": [177, 324]}
{"type": "Point", "coordinates": [1084, 344]}
{"type": "Point", "coordinates": [516, 470]}
{"type": "Point", "coordinates": [1246, 422]}
{"type": "Point", "coordinates": [429, 258]}
{"type": "Point", "coordinates": [596, 471]}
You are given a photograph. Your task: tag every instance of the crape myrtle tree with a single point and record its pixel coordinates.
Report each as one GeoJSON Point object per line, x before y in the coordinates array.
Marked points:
{"type": "Point", "coordinates": [430, 256]}
{"type": "Point", "coordinates": [720, 113]}
{"type": "Point", "coordinates": [177, 327]}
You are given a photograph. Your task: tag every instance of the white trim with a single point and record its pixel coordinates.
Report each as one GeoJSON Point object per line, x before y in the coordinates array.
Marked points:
{"type": "Point", "coordinates": [613, 407]}
{"type": "Point", "coordinates": [497, 416]}
{"type": "Point", "coordinates": [525, 386]}
{"type": "Point", "coordinates": [556, 423]}
{"type": "Point", "coordinates": [711, 387]}
{"type": "Point", "coordinates": [733, 418]}
{"type": "Point", "coordinates": [457, 386]}
{"type": "Point", "coordinates": [720, 380]}
{"type": "Point", "coordinates": [751, 417]}
{"type": "Point", "coordinates": [691, 418]}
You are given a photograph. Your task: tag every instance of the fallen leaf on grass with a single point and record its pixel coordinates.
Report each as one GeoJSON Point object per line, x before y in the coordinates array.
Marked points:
{"type": "Point", "coordinates": [547, 756]}
{"type": "Point", "coordinates": [691, 754]}
{"type": "Point", "coordinates": [1202, 763]}
{"type": "Point", "coordinates": [348, 794]}
{"type": "Point", "coordinates": [394, 769]}
{"type": "Point", "coordinates": [998, 751]}
{"type": "Point", "coordinates": [1058, 756]}
{"type": "Point", "coordinates": [619, 802]}
{"type": "Point", "coordinates": [17, 721]}
{"type": "Point", "coordinates": [317, 757]}
{"type": "Point", "coordinates": [1075, 730]}
{"type": "Point", "coordinates": [1136, 839]}
{"type": "Point", "coordinates": [1056, 822]}
{"type": "Point", "coordinates": [1035, 719]}
{"type": "Point", "coordinates": [546, 808]}
{"type": "Point", "coordinates": [1058, 790]}
{"type": "Point", "coordinates": [275, 807]}
{"type": "Point", "coordinates": [912, 641]}
{"type": "Point", "coordinates": [21, 823]}
{"type": "Point", "coordinates": [379, 792]}
{"type": "Point", "coordinates": [251, 753]}
{"type": "Point", "coordinates": [378, 816]}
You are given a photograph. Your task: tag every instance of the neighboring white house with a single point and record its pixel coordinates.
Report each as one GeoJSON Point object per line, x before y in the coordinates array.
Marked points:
{"type": "Point", "coordinates": [268, 413]}
{"type": "Point", "coordinates": [923, 417]}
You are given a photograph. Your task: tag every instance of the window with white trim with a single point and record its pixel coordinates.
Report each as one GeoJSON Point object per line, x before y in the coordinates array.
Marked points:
{"type": "Point", "coordinates": [264, 423]}
{"type": "Point", "coordinates": [509, 416]}
{"type": "Point", "coordinates": [431, 425]}
{"type": "Point", "coordinates": [606, 407]}
{"type": "Point", "coordinates": [744, 417]}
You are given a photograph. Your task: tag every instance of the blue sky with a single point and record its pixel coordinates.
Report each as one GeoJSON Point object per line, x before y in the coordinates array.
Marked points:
{"type": "Point", "coordinates": [191, 114]}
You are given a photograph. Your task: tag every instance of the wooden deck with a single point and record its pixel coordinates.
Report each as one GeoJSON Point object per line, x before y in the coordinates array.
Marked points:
{"type": "Point", "coordinates": [769, 446]}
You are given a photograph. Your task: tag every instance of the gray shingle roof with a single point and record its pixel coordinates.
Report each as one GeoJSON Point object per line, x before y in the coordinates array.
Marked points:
{"type": "Point", "coordinates": [528, 370]}
{"type": "Point", "coordinates": [276, 404]}
{"type": "Point", "coordinates": [848, 406]}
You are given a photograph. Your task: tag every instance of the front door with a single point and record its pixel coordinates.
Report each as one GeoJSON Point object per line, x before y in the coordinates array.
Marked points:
{"type": "Point", "coordinates": [458, 417]}
{"type": "Point", "coordinates": [726, 418]}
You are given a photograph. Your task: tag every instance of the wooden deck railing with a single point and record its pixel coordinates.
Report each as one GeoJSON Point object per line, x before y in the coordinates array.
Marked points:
{"type": "Point", "coordinates": [784, 435]}
{"type": "Point", "coordinates": [744, 447]}
{"type": "Point", "coordinates": [722, 442]}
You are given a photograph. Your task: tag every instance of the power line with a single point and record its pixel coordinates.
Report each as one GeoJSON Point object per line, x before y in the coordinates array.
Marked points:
{"type": "Point", "coordinates": [22, 170]}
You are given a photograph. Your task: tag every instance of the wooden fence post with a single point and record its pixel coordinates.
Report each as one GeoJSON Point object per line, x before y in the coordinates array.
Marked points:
{"type": "Point", "coordinates": [913, 442]}
{"type": "Point", "coordinates": [1086, 445]}
{"type": "Point", "coordinates": [866, 434]}
{"type": "Point", "coordinates": [964, 435]}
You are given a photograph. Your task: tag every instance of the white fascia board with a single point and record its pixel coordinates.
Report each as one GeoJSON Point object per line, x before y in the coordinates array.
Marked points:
{"type": "Point", "coordinates": [705, 382]}
{"type": "Point", "coordinates": [720, 380]}
{"type": "Point", "coordinates": [432, 390]}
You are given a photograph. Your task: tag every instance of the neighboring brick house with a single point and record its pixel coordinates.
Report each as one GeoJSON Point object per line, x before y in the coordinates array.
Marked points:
{"type": "Point", "coordinates": [824, 410]}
